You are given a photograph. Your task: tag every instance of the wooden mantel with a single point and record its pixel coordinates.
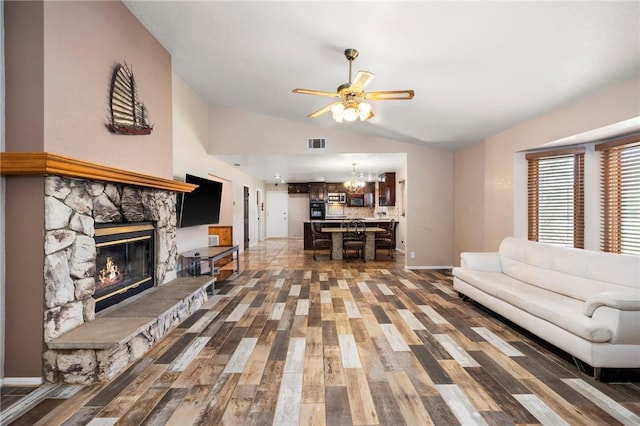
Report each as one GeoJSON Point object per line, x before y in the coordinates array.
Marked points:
{"type": "Point", "coordinates": [45, 163]}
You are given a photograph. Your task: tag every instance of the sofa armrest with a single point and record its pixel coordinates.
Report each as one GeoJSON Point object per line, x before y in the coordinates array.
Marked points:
{"type": "Point", "coordinates": [625, 301]}
{"type": "Point", "coordinates": [481, 261]}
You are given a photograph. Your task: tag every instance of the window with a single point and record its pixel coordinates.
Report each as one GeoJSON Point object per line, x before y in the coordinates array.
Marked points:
{"type": "Point", "coordinates": [620, 185]}
{"type": "Point", "coordinates": [556, 197]}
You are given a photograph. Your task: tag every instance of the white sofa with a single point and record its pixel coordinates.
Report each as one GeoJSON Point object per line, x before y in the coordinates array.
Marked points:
{"type": "Point", "coordinates": [584, 302]}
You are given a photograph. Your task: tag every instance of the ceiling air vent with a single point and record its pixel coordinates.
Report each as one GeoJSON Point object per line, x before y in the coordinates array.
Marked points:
{"type": "Point", "coordinates": [317, 143]}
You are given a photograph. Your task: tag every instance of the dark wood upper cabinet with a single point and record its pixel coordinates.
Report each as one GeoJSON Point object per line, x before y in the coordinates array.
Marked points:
{"type": "Point", "coordinates": [335, 187]}
{"type": "Point", "coordinates": [387, 189]}
{"type": "Point", "coordinates": [316, 191]}
{"type": "Point", "coordinates": [298, 188]}
{"type": "Point", "coordinates": [369, 194]}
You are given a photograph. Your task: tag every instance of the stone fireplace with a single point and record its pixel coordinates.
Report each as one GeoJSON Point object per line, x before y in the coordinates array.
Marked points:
{"type": "Point", "coordinates": [78, 211]}
{"type": "Point", "coordinates": [67, 217]}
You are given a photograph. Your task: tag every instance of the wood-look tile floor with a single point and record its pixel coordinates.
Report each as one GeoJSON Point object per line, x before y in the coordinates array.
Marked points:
{"type": "Point", "coordinates": [294, 341]}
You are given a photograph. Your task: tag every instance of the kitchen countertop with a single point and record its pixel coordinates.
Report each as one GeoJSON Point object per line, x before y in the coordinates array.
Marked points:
{"type": "Point", "coordinates": [364, 219]}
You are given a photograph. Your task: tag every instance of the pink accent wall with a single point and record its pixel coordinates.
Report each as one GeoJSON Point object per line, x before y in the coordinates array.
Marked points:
{"type": "Point", "coordinates": [59, 57]}
{"type": "Point", "coordinates": [24, 76]}
{"type": "Point", "coordinates": [24, 290]}
{"type": "Point", "coordinates": [83, 41]}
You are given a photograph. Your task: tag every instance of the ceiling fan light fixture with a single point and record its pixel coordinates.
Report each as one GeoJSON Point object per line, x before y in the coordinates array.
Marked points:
{"type": "Point", "coordinates": [337, 112]}
{"type": "Point", "coordinates": [351, 111]}
{"type": "Point", "coordinates": [365, 110]}
{"type": "Point", "coordinates": [348, 108]}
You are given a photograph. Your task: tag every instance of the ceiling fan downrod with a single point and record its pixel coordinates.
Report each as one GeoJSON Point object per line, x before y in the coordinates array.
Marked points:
{"type": "Point", "coordinates": [350, 54]}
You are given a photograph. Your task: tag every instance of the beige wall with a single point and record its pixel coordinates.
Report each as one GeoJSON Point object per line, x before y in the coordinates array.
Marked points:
{"type": "Point", "coordinates": [490, 163]}
{"type": "Point", "coordinates": [427, 230]}
{"type": "Point", "coordinates": [429, 222]}
{"type": "Point", "coordinates": [401, 227]}
{"type": "Point", "coordinates": [297, 214]}
{"type": "Point", "coordinates": [190, 136]}
{"type": "Point", "coordinates": [469, 199]}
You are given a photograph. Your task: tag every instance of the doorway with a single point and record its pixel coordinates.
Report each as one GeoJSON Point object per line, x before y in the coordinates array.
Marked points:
{"type": "Point", "coordinates": [277, 211]}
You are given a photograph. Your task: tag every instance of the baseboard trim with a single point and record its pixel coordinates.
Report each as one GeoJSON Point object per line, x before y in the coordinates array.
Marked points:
{"type": "Point", "coordinates": [428, 267]}
{"type": "Point", "coordinates": [22, 381]}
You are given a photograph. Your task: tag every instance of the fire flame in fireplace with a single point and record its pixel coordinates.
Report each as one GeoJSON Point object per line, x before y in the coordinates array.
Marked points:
{"type": "Point", "coordinates": [111, 272]}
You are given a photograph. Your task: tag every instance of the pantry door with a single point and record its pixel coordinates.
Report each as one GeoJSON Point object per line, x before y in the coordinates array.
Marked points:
{"type": "Point", "coordinates": [277, 214]}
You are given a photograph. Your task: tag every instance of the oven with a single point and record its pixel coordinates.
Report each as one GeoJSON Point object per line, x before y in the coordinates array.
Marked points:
{"type": "Point", "coordinates": [317, 210]}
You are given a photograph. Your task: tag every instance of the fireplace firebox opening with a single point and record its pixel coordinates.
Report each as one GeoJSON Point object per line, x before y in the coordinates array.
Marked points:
{"type": "Point", "coordinates": [125, 262]}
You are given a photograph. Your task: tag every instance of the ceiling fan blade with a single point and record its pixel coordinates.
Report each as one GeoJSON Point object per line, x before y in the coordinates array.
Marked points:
{"type": "Point", "coordinates": [316, 92]}
{"type": "Point", "coordinates": [361, 80]}
{"type": "Point", "coordinates": [322, 111]}
{"type": "Point", "coordinates": [371, 115]}
{"type": "Point", "coordinates": [390, 95]}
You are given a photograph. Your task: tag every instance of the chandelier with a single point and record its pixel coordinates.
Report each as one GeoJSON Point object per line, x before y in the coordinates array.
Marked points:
{"type": "Point", "coordinates": [353, 184]}
{"type": "Point", "coordinates": [350, 110]}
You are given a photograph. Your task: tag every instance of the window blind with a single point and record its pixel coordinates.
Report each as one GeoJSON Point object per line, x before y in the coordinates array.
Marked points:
{"type": "Point", "coordinates": [556, 197]}
{"type": "Point", "coordinates": [620, 185]}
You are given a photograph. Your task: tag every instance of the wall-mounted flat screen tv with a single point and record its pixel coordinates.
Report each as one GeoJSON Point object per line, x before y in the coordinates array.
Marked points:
{"type": "Point", "coordinates": [200, 206]}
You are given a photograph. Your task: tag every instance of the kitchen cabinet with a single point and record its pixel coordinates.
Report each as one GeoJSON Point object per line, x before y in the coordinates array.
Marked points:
{"type": "Point", "coordinates": [316, 192]}
{"type": "Point", "coordinates": [387, 189]}
{"type": "Point", "coordinates": [224, 233]}
{"type": "Point", "coordinates": [369, 194]}
{"type": "Point", "coordinates": [225, 238]}
{"type": "Point", "coordinates": [308, 237]}
{"type": "Point", "coordinates": [298, 188]}
{"type": "Point", "coordinates": [335, 187]}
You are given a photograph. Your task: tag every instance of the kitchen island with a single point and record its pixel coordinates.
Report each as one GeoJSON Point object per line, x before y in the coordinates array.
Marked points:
{"type": "Point", "coordinates": [335, 223]}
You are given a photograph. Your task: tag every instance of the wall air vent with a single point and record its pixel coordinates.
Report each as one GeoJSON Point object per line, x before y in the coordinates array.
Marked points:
{"type": "Point", "coordinates": [317, 143]}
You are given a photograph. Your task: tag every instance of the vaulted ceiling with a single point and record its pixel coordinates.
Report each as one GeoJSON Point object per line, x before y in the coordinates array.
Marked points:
{"type": "Point", "coordinates": [477, 68]}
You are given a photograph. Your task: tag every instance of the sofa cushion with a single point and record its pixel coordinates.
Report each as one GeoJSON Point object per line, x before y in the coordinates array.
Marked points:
{"type": "Point", "coordinates": [576, 273]}
{"type": "Point", "coordinates": [565, 312]}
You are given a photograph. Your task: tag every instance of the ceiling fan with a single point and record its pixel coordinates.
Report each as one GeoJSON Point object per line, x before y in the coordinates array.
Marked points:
{"type": "Point", "coordinates": [353, 103]}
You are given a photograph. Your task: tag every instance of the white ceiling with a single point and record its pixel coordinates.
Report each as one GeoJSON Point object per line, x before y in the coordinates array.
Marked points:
{"type": "Point", "coordinates": [316, 167]}
{"type": "Point", "coordinates": [477, 68]}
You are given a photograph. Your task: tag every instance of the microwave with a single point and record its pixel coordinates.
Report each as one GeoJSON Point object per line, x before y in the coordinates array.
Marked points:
{"type": "Point", "coordinates": [336, 197]}
{"type": "Point", "coordinates": [356, 200]}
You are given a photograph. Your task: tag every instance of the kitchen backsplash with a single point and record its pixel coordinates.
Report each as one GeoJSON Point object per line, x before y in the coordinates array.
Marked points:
{"type": "Point", "coordinates": [343, 210]}
{"type": "Point", "coordinates": [387, 212]}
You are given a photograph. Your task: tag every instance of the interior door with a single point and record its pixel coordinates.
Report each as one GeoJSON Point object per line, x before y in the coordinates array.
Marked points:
{"type": "Point", "coordinates": [277, 214]}
{"type": "Point", "coordinates": [246, 217]}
